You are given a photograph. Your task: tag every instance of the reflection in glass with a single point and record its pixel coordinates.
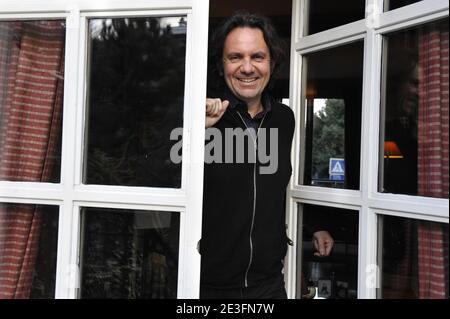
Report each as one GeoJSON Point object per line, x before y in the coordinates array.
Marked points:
{"type": "Point", "coordinates": [414, 140]}
{"type": "Point", "coordinates": [129, 254]}
{"type": "Point", "coordinates": [326, 14]}
{"type": "Point", "coordinates": [394, 4]}
{"type": "Point", "coordinates": [413, 258]}
{"type": "Point", "coordinates": [328, 159]}
{"type": "Point", "coordinates": [135, 100]}
{"type": "Point", "coordinates": [28, 248]}
{"type": "Point", "coordinates": [333, 276]}
{"type": "Point", "coordinates": [31, 97]}
{"type": "Point", "coordinates": [333, 97]}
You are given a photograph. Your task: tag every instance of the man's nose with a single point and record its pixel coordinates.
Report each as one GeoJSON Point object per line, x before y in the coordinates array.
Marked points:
{"type": "Point", "coordinates": [247, 66]}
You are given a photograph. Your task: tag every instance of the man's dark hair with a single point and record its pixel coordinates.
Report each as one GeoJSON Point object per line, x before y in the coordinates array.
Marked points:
{"type": "Point", "coordinates": [242, 19]}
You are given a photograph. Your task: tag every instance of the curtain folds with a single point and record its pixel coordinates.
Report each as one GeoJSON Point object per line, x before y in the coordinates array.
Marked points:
{"type": "Point", "coordinates": [433, 132]}
{"type": "Point", "coordinates": [433, 112]}
{"type": "Point", "coordinates": [31, 92]}
{"type": "Point", "coordinates": [433, 260]}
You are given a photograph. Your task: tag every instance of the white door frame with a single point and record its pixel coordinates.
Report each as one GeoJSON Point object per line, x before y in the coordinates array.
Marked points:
{"type": "Point", "coordinates": [366, 201]}
{"type": "Point", "coordinates": [70, 194]}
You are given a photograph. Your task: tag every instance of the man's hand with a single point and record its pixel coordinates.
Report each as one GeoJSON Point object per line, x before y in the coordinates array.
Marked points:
{"type": "Point", "coordinates": [215, 108]}
{"type": "Point", "coordinates": [323, 243]}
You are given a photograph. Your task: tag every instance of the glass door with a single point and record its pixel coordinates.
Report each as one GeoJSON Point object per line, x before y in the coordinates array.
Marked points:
{"type": "Point", "coordinates": [118, 200]}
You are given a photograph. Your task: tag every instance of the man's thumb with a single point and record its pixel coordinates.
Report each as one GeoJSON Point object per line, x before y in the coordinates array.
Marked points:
{"type": "Point", "coordinates": [225, 104]}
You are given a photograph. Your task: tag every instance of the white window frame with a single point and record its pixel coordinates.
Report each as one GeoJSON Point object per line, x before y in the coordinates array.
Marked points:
{"type": "Point", "coordinates": [70, 194]}
{"type": "Point", "coordinates": [367, 201]}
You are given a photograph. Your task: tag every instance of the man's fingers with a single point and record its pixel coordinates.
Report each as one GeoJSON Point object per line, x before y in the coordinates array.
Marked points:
{"type": "Point", "coordinates": [213, 107]}
{"type": "Point", "coordinates": [209, 106]}
{"type": "Point", "coordinates": [216, 107]}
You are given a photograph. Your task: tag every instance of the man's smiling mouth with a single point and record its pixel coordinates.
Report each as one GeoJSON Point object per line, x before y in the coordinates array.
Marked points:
{"type": "Point", "coordinates": [247, 80]}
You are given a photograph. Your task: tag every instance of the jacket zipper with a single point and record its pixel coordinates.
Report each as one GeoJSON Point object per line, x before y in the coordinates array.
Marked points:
{"type": "Point", "coordinates": [254, 195]}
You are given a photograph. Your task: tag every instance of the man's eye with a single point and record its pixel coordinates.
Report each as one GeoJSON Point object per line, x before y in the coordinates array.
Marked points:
{"type": "Point", "coordinates": [258, 58]}
{"type": "Point", "coordinates": [234, 58]}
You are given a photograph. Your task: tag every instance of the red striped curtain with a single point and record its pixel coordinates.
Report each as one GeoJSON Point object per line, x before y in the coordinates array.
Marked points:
{"type": "Point", "coordinates": [31, 92]}
{"type": "Point", "coordinates": [433, 156]}
{"type": "Point", "coordinates": [401, 284]}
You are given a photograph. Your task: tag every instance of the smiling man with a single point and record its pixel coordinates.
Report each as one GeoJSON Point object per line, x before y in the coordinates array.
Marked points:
{"type": "Point", "coordinates": [247, 66]}
{"type": "Point", "coordinates": [244, 234]}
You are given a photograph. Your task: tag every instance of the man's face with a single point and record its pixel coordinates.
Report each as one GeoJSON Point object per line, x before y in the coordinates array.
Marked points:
{"type": "Point", "coordinates": [246, 63]}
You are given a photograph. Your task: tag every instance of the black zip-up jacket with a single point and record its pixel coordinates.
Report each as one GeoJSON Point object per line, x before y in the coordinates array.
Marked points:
{"type": "Point", "coordinates": [244, 234]}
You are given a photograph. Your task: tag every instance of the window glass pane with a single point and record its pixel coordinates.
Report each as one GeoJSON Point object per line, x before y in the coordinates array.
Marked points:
{"type": "Point", "coordinates": [31, 97]}
{"type": "Point", "coordinates": [28, 248]}
{"type": "Point", "coordinates": [135, 100]}
{"type": "Point", "coordinates": [414, 140]}
{"type": "Point", "coordinates": [394, 4]}
{"type": "Point", "coordinates": [322, 15]}
{"type": "Point", "coordinates": [333, 98]}
{"type": "Point", "coordinates": [413, 258]}
{"type": "Point", "coordinates": [129, 254]}
{"type": "Point", "coordinates": [333, 276]}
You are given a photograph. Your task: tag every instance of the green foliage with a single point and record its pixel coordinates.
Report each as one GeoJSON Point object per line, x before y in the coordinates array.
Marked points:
{"type": "Point", "coordinates": [135, 99]}
{"type": "Point", "coordinates": [122, 260]}
{"type": "Point", "coordinates": [136, 95]}
{"type": "Point", "coordinates": [329, 134]}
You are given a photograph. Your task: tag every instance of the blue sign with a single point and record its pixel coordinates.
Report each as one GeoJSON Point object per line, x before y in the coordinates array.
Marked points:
{"type": "Point", "coordinates": [337, 178]}
{"type": "Point", "coordinates": [337, 169]}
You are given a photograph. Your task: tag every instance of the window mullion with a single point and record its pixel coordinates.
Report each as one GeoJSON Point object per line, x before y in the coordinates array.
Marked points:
{"type": "Point", "coordinates": [367, 254]}
{"type": "Point", "coordinates": [414, 14]}
{"type": "Point", "coordinates": [371, 115]}
{"type": "Point", "coordinates": [331, 38]}
{"type": "Point", "coordinates": [190, 224]}
{"type": "Point", "coordinates": [65, 266]}
{"type": "Point", "coordinates": [367, 263]}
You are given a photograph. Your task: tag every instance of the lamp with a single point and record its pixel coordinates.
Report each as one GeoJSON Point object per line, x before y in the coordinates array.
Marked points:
{"type": "Point", "coordinates": [391, 150]}
{"type": "Point", "coordinates": [311, 91]}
